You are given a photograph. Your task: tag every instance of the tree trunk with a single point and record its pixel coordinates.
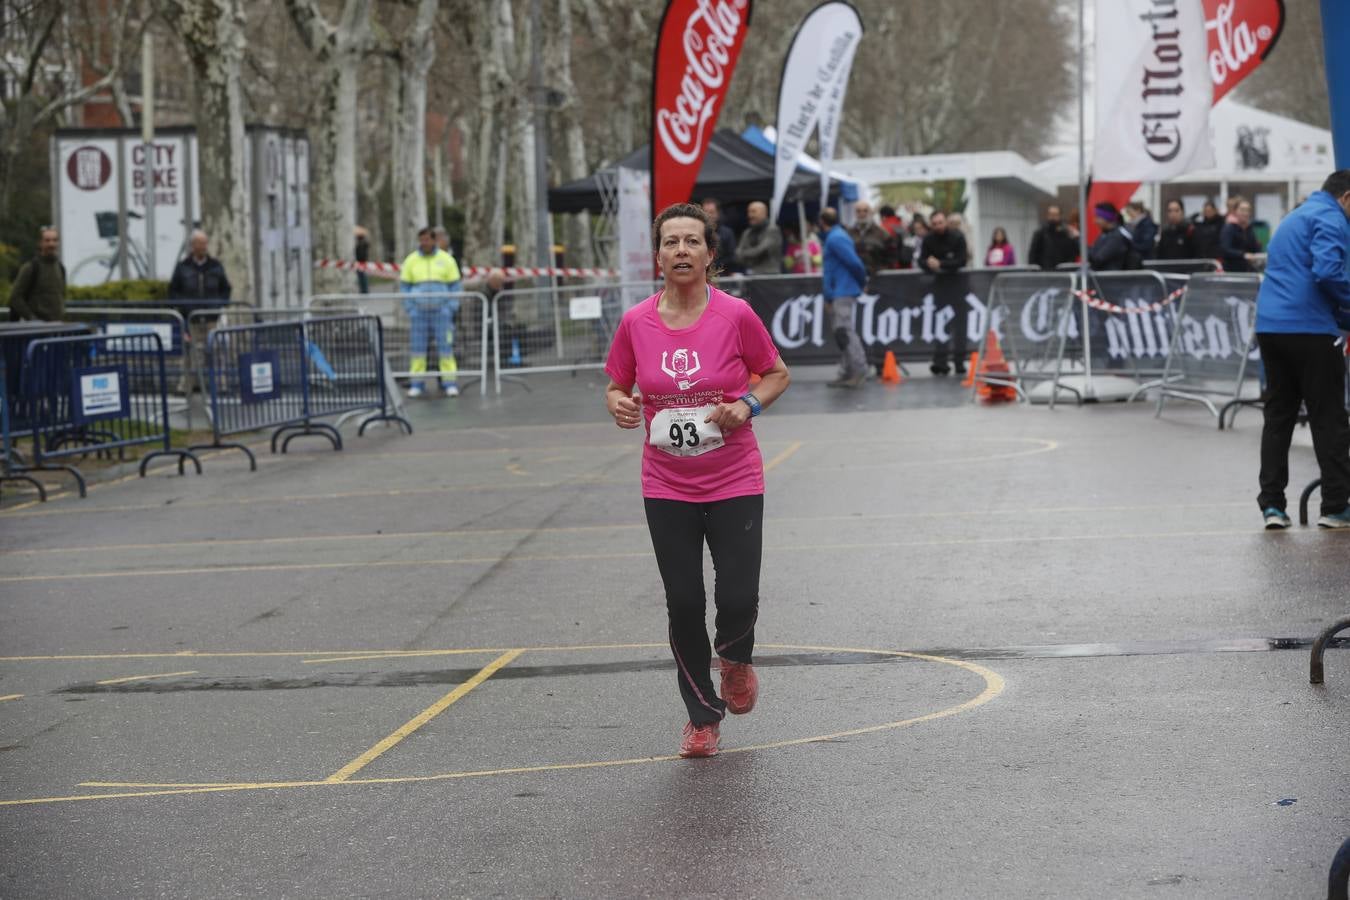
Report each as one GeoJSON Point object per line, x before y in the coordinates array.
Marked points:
{"type": "Point", "coordinates": [416, 53]}
{"type": "Point", "coordinates": [213, 35]}
{"type": "Point", "coordinates": [577, 228]}
{"type": "Point", "coordinates": [485, 194]}
{"type": "Point", "coordinates": [338, 49]}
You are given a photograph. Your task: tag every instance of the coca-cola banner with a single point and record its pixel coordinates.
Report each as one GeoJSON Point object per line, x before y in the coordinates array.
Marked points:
{"type": "Point", "coordinates": [1154, 90]}
{"type": "Point", "coordinates": [1241, 34]}
{"type": "Point", "coordinates": [811, 91]}
{"type": "Point", "coordinates": [910, 313]}
{"type": "Point", "coordinates": [697, 47]}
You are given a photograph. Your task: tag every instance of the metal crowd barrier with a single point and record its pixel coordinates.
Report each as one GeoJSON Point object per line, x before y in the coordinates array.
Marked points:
{"type": "Point", "coordinates": [1184, 266]}
{"type": "Point", "coordinates": [559, 329]}
{"type": "Point", "coordinates": [98, 394]}
{"type": "Point", "coordinates": [18, 397]}
{"type": "Point", "coordinates": [10, 468]}
{"type": "Point", "coordinates": [1213, 345]}
{"type": "Point", "coordinates": [287, 375]}
{"type": "Point", "coordinates": [1031, 314]}
{"type": "Point", "coordinates": [397, 313]}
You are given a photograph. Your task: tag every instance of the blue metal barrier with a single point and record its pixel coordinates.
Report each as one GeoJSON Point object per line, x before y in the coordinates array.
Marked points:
{"type": "Point", "coordinates": [286, 375]}
{"type": "Point", "coordinates": [9, 470]}
{"type": "Point", "coordinates": [97, 395]}
{"type": "Point", "coordinates": [18, 401]}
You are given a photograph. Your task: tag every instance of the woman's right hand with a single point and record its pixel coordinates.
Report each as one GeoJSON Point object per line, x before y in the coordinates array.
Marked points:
{"type": "Point", "coordinates": [625, 410]}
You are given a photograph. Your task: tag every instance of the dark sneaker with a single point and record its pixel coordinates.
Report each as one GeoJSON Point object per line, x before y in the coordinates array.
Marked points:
{"type": "Point", "coordinates": [740, 687]}
{"type": "Point", "coordinates": [938, 370]}
{"type": "Point", "coordinates": [1276, 518]}
{"type": "Point", "coordinates": [699, 740]}
{"type": "Point", "coordinates": [1335, 520]}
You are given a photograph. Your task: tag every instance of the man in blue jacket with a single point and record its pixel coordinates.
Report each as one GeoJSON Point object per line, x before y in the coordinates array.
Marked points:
{"type": "Point", "coordinates": [844, 275]}
{"type": "Point", "coordinates": [1301, 311]}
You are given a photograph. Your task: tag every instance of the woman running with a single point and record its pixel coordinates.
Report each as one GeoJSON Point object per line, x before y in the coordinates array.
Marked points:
{"type": "Point", "coordinates": [690, 350]}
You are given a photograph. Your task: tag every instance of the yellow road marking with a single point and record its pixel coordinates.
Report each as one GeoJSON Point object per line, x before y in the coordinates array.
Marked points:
{"type": "Point", "coordinates": [579, 557]}
{"type": "Point", "coordinates": [131, 678]}
{"type": "Point", "coordinates": [517, 470]}
{"type": "Point", "coordinates": [422, 718]}
{"type": "Point", "coordinates": [622, 526]}
{"type": "Point", "coordinates": [993, 686]}
{"type": "Point", "coordinates": [356, 654]}
{"type": "Point", "coordinates": [10, 697]}
{"type": "Point", "coordinates": [782, 457]}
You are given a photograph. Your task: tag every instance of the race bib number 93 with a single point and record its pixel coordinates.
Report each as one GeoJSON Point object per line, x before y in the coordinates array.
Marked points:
{"type": "Point", "coordinates": [681, 431]}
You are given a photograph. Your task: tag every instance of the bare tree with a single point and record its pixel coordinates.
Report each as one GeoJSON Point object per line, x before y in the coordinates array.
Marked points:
{"type": "Point", "coordinates": [491, 44]}
{"type": "Point", "coordinates": [413, 53]}
{"type": "Point", "coordinates": [1293, 79]}
{"type": "Point", "coordinates": [213, 36]}
{"type": "Point", "coordinates": [37, 59]}
{"type": "Point", "coordinates": [338, 48]}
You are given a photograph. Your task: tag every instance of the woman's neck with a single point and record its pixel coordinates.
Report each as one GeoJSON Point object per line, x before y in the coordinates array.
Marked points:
{"type": "Point", "coordinates": [685, 297]}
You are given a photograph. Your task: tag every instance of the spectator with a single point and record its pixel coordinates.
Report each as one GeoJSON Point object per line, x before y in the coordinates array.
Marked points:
{"type": "Point", "coordinates": [362, 255]}
{"type": "Point", "coordinates": [760, 251]}
{"type": "Point", "coordinates": [903, 255]}
{"type": "Point", "coordinates": [844, 279]}
{"type": "Point", "coordinates": [1114, 249]}
{"type": "Point", "coordinates": [1143, 230]}
{"type": "Point", "coordinates": [1301, 311]}
{"type": "Point", "coordinates": [430, 276]}
{"type": "Point", "coordinates": [1237, 244]}
{"type": "Point", "coordinates": [39, 291]}
{"type": "Point", "coordinates": [944, 253]}
{"type": "Point", "coordinates": [918, 230]}
{"type": "Point", "coordinates": [725, 261]}
{"type": "Point", "coordinates": [792, 258]}
{"type": "Point", "coordinates": [872, 242]}
{"type": "Point", "coordinates": [1000, 252]}
{"type": "Point", "coordinates": [1208, 227]}
{"type": "Point", "coordinates": [198, 276]}
{"type": "Point", "coordinates": [1177, 239]}
{"type": "Point", "coordinates": [1052, 244]}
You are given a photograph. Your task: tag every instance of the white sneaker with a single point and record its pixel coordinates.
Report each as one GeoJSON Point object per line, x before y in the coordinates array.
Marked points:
{"type": "Point", "coordinates": [450, 390]}
{"type": "Point", "coordinates": [416, 390]}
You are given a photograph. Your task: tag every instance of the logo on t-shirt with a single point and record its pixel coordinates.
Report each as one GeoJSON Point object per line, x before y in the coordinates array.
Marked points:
{"type": "Point", "coordinates": [678, 368]}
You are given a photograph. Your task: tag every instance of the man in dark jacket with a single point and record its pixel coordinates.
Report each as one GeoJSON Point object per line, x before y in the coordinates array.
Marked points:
{"type": "Point", "coordinates": [1175, 240]}
{"type": "Point", "coordinates": [1052, 244]}
{"type": "Point", "coordinates": [1236, 241]}
{"type": "Point", "coordinates": [198, 276]}
{"type": "Point", "coordinates": [1114, 248]}
{"type": "Point", "coordinates": [725, 261]}
{"type": "Point", "coordinates": [875, 245]}
{"type": "Point", "coordinates": [760, 251]}
{"type": "Point", "coordinates": [1301, 311]}
{"type": "Point", "coordinates": [943, 253]}
{"type": "Point", "coordinates": [39, 290]}
{"type": "Point", "coordinates": [1207, 228]}
{"type": "Point", "coordinates": [1143, 230]}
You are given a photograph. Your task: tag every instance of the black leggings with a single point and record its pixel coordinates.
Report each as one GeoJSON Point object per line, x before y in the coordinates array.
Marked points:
{"type": "Point", "coordinates": [734, 531]}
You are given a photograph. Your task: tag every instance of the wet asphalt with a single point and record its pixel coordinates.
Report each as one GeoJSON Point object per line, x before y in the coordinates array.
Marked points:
{"type": "Point", "coordinates": [1003, 652]}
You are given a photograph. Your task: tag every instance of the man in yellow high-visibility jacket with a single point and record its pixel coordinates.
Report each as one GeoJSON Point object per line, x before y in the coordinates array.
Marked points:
{"type": "Point", "coordinates": [430, 278]}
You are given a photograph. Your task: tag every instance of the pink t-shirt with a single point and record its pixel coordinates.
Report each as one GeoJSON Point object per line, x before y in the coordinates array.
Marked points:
{"type": "Point", "coordinates": [707, 363]}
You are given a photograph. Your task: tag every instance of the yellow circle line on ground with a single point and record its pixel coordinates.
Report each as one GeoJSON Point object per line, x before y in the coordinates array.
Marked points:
{"type": "Point", "coordinates": [993, 686]}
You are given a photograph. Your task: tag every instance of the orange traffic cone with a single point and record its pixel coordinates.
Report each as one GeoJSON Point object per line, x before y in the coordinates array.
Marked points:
{"type": "Point", "coordinates": [969, 380]}
{"type": "Point", "coordinates": [890, 371]}
{"type": "Point", "coordinates": [996, 364]}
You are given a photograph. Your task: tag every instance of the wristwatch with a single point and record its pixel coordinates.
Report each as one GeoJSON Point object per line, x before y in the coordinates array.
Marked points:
{"type": "Point", "coordinates": [753, 402]}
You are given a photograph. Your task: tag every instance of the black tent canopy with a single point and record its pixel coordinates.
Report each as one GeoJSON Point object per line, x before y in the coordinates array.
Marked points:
{"type": "Point", "coordinates": [734, 171]}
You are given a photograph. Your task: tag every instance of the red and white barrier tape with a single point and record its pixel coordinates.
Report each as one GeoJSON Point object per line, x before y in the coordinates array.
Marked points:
{"type": "Point", "coordinates": [1091, 299]}
{"type": "Point", "coordinates": [383, 268]}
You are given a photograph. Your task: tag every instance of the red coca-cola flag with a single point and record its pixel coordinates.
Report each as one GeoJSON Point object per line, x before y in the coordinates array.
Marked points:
{"type": "Point", "coordinates": [697, 46]}
{"type": "Point", "coordinates": [1241, 34]}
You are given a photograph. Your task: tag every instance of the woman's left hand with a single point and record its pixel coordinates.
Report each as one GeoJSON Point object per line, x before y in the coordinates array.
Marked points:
{"type": "Point", "coordinates": [728, 416]}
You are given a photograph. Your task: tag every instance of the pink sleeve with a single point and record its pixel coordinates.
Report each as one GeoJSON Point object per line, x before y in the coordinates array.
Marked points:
{"type": "Point", "coordinates": [621, 366]}
{"type": "Point", "coordinates": [757, 348]}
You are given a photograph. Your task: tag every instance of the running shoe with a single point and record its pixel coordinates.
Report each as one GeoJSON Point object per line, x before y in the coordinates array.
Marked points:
{"type": "Point", "coordinates": [415, 390]}
{"type": "Point", "coordinates": [450, 390]}
{"type": "Point", "coordinates": [699, 740]}
{"type": "Point", "coordinates": [740, 687]}
{"type": "Point", "coordinates": [1276, 519]}
{"type": "Point", "coordinates": [1335, 520]}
